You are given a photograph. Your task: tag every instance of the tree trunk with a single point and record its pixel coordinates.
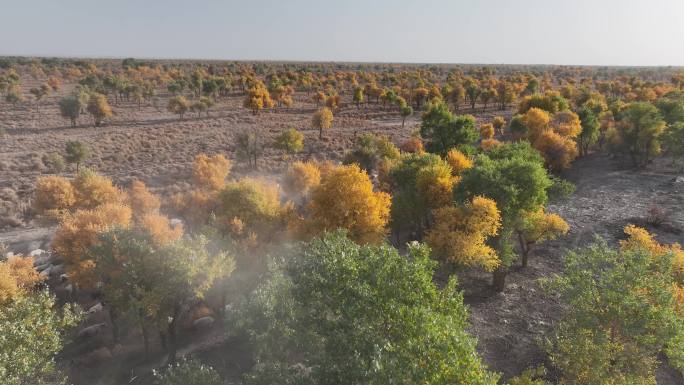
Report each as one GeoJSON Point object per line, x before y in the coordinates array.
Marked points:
{"type": "Point", "coordinates": [143, 329]}
{"type": "Point", "coordinates": [113, 317]}
{"type": "Point", "coordinates": [171, 331]}
{"type": "Point", "coordinates": [499, 279]}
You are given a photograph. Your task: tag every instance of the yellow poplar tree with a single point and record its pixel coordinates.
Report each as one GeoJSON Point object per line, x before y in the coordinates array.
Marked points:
{"type": "Point", "coordinates": [345, 199]}
{"type": "Point", "coordinates": [460, 233]}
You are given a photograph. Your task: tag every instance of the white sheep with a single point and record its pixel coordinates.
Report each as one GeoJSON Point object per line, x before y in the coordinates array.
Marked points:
{"type": "Point", "coordinates": [37, 253]}
{"type": "Point", "coordinates": [91, 331]}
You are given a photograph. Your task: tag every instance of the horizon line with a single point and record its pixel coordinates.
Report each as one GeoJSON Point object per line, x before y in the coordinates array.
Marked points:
{"type": "Point", "coordinates": [174, 58]}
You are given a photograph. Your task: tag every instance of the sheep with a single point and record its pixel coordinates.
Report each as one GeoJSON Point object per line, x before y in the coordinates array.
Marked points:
{"type": "Point", "coordinates": [69, 290]}
{"type": "Point", "coordinates": [37, 253]}
{"type": "Point", "coordinates": [95, 308]}
{"type": "Point", "coordinates": [43, 259]}
{"type": "Point", "coordinates": [91, 331]}
{"type": "Point", "coordinates": [203, 323]}
{"type": "Point", "coordinates": [43, 266]}
{"type": "Point", "coordinates": [57, 269]}
{"type": "Point", "coordinates": [46, 272]}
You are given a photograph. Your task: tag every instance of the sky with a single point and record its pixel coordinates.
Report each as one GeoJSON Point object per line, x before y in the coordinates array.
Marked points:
{"type": "Point", "coordinates": [575, 32]}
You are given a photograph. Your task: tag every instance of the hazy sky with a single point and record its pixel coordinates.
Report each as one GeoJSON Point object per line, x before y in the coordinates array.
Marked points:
{"type": "Point", "coordinates": [617, 32]}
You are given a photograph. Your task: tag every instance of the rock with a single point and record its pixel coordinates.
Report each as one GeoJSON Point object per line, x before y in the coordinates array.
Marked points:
{"type": "Point", "coordinates": [203, 323]}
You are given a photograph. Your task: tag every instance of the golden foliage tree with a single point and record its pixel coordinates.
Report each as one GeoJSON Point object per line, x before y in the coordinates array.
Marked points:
{"type": "Point", "coordinates": [489, 144]}
{"type": "Point", "coordinates": [300, 178]}
{"type": "Point", "coordinates": [499, 124]}
{"type": "Point", "coordinates": [458, 161]}
{"type": "Point", "coordinates": [159, 228]}
{"type": "Point", "coordinates": [322, 120]}
{"type": "Point", "coordinates": [536, 227]}
{"type": "Point", "coordinates": [141, 200]}
{"type": "Point", "coordinates": [17, 276]}
{"type": "Point", "coordinates": [345, 199]}
{"type": "Point", "coordinates": [436, 183]}
{"type": "Point", "coordinates": [79, 231]}
{"type": "Point", "coordinates": [537, 122]}
{"type": "Point", "coordinates": [460, 233]}
{"type": "Point", "coordinates": [55, 196]}
{"type": "Point", "coordinates": [566, 123]}
{"type": "Point", "coordinates": [210, 172]}
{"type": "Point", "coordinates": [258, 98]}
{"type": "Point", "coordinates": [558, 151]}
{"type": "Point", "coordinates": [487, 131]}
{"type": "Point", "coordinates": [93, 190]}
{"type": "Point", "coordinates": [99, 108]}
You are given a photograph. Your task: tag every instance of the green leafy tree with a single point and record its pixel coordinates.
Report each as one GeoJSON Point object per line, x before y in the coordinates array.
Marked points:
{"type": "Point", "coordinates": [359, 315]}
{"type": "Point", "coordinates": [638, 132]}
{"type": "Point", "coordinates": [406, 111]}
{"type": "Point", "coordinates": [70, 108]}
{"type": "Point", "coordinates": [33, 333]}
{"type": "Point", "coordinates": [371, 149]}
{"type": "Point", "coordinates": [671, 106]}
{"type": "Point", "coordinates": [156, 282]}
{"type": "Point", "coordinates": [590, 129]}
{"type": "Point", "coordinates": [411, 206]}
{"type": "Point", "coordinates": [673, 141]}
{"type": "Point", "coordinates": [621, 314]}
{"type": "Point", "coordinates": [76, 152]}
{"type": "Point", "coordinates": [358, 96]}
{"type": "Point", "coordinates": [442, 131]}
{"type": "Point", "coordinates": [513, 175]}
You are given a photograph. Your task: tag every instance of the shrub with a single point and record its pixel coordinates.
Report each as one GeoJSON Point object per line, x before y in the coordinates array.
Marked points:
{"type": "Point", "coordinates": [188, 372]}
{"type": "Point", "coordinates": [54, 162]}
{"type": "Point", "coordinates": [560, 189]}
{"type": "Point", "coordinates": [290, 141]}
